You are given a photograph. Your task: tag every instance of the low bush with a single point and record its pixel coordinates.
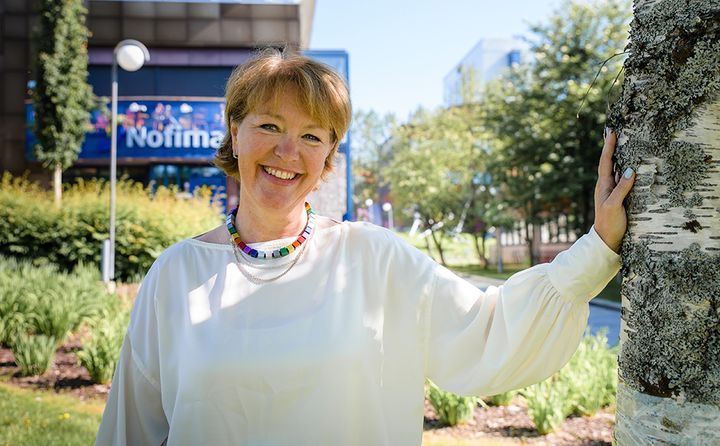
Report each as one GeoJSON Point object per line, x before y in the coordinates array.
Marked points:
{"type": "Point", "coordinates": [451, 409]}
{"type": "Point", "coordinates": [587, 383]}
{"type": "Point", "coordinates": [41, 300]}
{"type": "Point", "coordinates": [101, 348]}
{"type": "Point", "coordinates": [33, 353]}
{"type": "Point", "coordinates": [546, 403]}
{"type": "Point", "coordinates": [501, 399]}
{"type": "Point", "coordinates": [591, 375]}
{"type": "Point", "coordinates": [32, 227]}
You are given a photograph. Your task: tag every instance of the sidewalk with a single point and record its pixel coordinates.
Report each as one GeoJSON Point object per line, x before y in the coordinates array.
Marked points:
{"type": "Point", "coordinates": [604, 314]}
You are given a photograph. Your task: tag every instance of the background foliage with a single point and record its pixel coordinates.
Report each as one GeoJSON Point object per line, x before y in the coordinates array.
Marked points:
{"type": "Point", "coordinates": [62, 97]}
{"type": "Point", "coordinates": [523, 148]}
{"type": "Point", "coordinates": [147, 223]}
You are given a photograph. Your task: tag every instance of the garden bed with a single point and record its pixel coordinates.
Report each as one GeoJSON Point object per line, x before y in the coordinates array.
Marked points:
{"type": "Point", "coordinates": [512, 425]}
{"type": "Point", "coordinates": [65, 375]}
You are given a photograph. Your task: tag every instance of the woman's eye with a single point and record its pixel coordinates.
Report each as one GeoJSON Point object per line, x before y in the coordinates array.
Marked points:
{"type": "Point", "coordinates": [312, 138]}
{"type": "Point", "coordinates": [270, 127]}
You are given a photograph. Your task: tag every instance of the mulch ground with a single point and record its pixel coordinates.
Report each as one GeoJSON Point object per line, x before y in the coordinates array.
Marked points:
{"type": "Point", "coordinates": [512, 423]}
{"type": "Point", "coordinates": [507, 423]}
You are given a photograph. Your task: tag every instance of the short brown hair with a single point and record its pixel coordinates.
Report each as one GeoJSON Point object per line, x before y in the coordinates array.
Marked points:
{"type": "Point", "coordinates": [321, 92]}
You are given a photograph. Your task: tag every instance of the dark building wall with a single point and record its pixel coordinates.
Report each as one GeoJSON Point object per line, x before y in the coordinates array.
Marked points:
{"type": "Point", "coordinates": [16, 21]}
{"type": "Point", "coordinates": [194, 24]}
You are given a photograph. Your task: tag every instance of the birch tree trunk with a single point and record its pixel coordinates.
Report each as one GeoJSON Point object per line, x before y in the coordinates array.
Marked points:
{"type": "Point", "coordinates": [668, 118]}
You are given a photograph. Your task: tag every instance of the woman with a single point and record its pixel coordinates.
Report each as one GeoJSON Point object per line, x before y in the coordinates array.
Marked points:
{"type": "Point", "coordinates": [282, 327]}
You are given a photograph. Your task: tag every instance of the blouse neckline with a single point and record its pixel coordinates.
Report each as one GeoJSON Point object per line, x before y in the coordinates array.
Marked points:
{"type": "Point", "coordinates": [267, 245]}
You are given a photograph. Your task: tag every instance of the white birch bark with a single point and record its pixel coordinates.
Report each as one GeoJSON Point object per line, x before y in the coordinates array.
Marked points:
{"type": "Point", "coordinates": [669, 390]}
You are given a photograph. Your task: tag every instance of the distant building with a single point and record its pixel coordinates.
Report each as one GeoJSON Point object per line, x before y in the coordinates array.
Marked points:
{"type": "Point", "coordinates": [487, 60]}
{"type": "Point", "coordinates": [171, 111]}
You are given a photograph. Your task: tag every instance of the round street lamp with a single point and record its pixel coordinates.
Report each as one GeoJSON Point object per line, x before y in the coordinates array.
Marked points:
{"type": "Point", "coordinates": [131, 55]}
{"type": "Point", "coordinates": [387, 207]}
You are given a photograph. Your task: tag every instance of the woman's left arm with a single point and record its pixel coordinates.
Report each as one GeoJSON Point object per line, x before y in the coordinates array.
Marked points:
{"type": "Point", "coordinates": [511, 336]}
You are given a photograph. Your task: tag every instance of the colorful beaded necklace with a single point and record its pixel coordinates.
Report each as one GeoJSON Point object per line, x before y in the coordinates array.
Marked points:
{"type": "Point", "coordinates": [282, 252]}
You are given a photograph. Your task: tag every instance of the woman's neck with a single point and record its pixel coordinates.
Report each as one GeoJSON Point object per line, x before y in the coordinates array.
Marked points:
{"type": "Point", "coordinates": [258, 224]}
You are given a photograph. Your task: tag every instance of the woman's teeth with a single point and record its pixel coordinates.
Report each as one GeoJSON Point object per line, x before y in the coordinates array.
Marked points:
{"type": "Point", "coordinates": [280, 173]}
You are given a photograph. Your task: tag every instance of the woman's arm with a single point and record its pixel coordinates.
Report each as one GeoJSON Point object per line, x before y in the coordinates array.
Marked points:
{"type": "Point", "coordinates": [134, 414]}
{"type": "Point", "coordinates": [517, 334]}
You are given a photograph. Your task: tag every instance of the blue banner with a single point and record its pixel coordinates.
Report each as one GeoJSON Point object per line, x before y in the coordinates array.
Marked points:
{"type": "Point", "coordinates": [152, 128]}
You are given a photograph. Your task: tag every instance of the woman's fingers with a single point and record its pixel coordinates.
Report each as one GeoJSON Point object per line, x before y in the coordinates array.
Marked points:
{"type": "Point", "coordinates": [617, 196]}
{"type": "Point", "coordinates": [606, 163]}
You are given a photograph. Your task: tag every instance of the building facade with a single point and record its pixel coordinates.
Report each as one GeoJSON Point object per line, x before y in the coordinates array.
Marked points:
{"type": "Point", "coordinates": [487, 60]}
{"type": "Point", "coordinates": [171, 110]}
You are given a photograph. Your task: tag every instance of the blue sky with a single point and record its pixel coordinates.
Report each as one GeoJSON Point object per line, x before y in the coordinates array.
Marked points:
{"type": "Point", "coordinates": [400, 50]}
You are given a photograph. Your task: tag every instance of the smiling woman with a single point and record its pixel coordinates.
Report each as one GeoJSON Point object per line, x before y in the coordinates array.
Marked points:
{"type": "Point", "coordinates": [283, 327]}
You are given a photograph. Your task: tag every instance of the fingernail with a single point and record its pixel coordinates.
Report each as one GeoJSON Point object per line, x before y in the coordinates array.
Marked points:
{"type": "Point", "coordinates": [628, 173]}
{"type": "Point", "coordinates": [605, 132]}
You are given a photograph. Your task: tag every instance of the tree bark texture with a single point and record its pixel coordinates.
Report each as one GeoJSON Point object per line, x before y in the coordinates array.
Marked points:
{"type": "Point", "coordinates": [668, 122]}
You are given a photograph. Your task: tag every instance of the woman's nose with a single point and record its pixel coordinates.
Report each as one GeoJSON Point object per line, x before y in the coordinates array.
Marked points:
{"type": "Point", "coordinates": [287, 149]}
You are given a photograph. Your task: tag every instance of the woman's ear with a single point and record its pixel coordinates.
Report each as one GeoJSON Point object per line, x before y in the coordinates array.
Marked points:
{"type": "Point", "coordinates": [233, 137]}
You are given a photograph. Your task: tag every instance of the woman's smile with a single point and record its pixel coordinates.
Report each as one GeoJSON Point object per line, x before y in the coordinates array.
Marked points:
{"type": "Point", "coordinates": [280, 173]}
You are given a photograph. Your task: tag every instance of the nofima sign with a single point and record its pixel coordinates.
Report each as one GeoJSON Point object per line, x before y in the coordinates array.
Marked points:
{"type": "Point", "coordinates": [173, 138]}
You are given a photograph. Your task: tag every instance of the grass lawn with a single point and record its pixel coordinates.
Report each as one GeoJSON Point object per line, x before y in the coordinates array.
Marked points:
{"type": "Point", "coordinates": [43, 418]}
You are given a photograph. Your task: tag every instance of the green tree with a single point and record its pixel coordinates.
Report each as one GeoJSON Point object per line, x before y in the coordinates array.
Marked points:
{"type": "Point", "coordinates": [436, 167]}
{"type": "Point", "coordinates": [62, 98]}
{"type": "Point", "coordinates": [371, 134]}
{"type": "Point", "coordinates": [547, 146]}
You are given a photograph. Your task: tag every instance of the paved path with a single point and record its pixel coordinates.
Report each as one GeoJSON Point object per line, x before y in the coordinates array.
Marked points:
{"type": "Point", "coordinates": [603, 314]}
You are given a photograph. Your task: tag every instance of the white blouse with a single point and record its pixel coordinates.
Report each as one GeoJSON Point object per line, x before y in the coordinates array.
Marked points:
{"type": "Point", "coordinates": [337, 350]}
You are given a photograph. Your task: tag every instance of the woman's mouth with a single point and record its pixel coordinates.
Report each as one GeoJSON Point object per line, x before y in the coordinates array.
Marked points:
{"type": "Point", "coordinates": [281, 174]}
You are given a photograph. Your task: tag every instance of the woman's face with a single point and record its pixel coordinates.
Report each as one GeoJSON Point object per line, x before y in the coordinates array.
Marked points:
{"type": "Point", "coordinates": [281, 154]}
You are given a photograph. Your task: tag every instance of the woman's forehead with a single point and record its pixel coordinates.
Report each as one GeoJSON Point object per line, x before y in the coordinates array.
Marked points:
{"type": "Point", "coordinates": [277, 102]}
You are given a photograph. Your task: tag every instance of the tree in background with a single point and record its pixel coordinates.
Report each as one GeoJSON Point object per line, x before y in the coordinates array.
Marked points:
{"type": "Point", "coordinates": [371, 134]}
{"type": "Point", "coordinates": [668, 121]}
{"type": "Point", "coordinates": [62, 98]}
{"type": "Point", "coordinates": [436, 165]}
{"type": "Point", "coordinates": [547, 150]}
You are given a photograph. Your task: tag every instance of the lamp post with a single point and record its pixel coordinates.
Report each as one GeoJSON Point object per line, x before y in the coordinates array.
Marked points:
{"type": "Point", "coordinates": [387, 207]}
{"type": "Point", "coordinates": [131, 55]}
{"type": "Point", "coordinates": [368, 205]}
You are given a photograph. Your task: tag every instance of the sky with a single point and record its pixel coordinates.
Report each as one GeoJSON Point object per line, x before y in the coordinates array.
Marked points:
{"type": "Point", "coordinates": [400, 50]}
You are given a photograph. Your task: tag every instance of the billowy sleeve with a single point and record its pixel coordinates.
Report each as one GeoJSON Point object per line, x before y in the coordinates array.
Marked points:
{"type": "Point", "coordinates": [133, 413]}
{"type": "Point", "coordinates": [517, 334]}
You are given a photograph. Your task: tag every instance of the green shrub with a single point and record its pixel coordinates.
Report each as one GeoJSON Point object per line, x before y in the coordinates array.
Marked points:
{"type": "Point", "coordinates": [546, 403]}
{"type": "Point", "coordinates": [591, 375]}
{"type": "Point", "coordinates": [33, 353]}
{"type": "Point", "coordinates": [450, 408]}
{"type": "Point", "coordinates": [13, 317]}
{"type": "Point", "coordinates": [587, 383]}
{"type": "Point", "coordinates": [32, 227]}
{"type": "Point", "coordinates": [101, 349]}
{"type": "Point", "coordinates": [41, 300]}
{"type": "Point", "coordinates": [501, 399]}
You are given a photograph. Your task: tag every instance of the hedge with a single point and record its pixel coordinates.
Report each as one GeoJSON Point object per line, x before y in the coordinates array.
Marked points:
{"type": "Point", "coordinates": [32, 227]}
